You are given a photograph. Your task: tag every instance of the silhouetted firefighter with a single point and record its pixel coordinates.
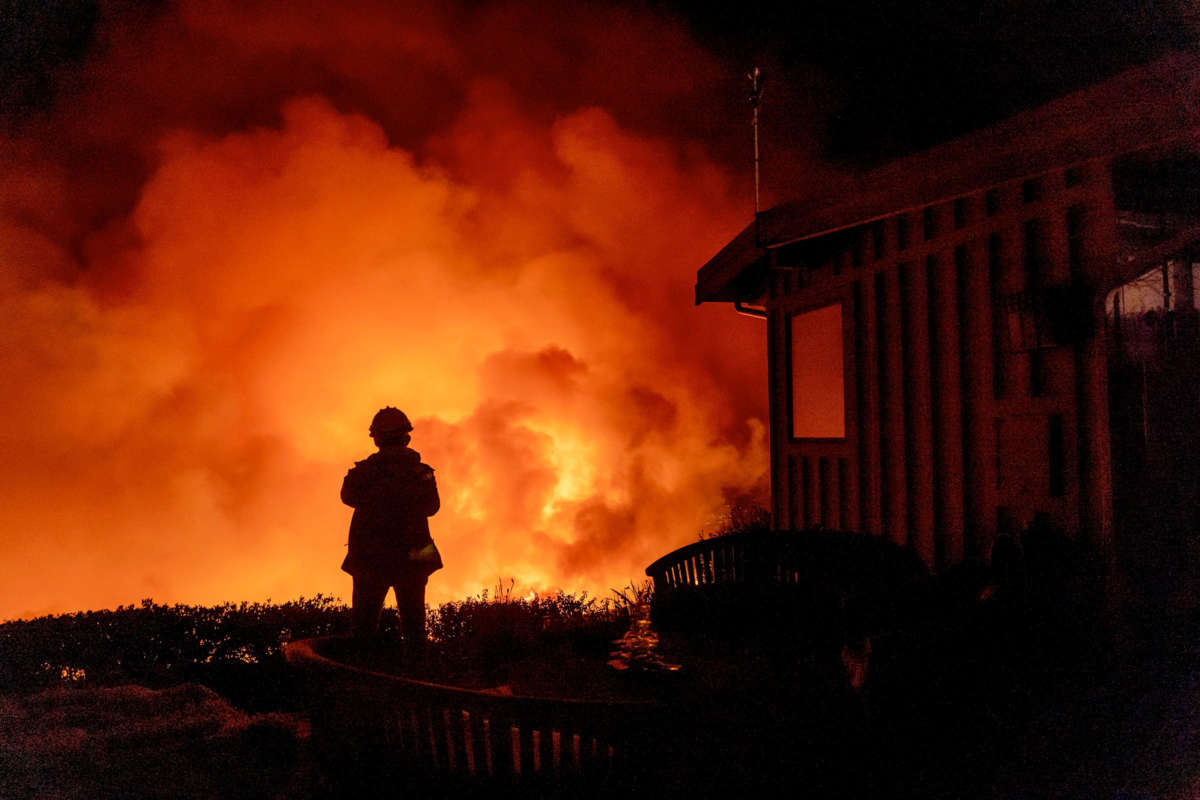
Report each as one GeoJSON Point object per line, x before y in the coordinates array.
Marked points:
{"type": "Point", "coordinates": [393, 494]}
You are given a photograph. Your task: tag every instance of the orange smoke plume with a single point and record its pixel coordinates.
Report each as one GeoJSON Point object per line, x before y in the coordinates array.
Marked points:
{"type": "Point", "coordinates": [234, 235]}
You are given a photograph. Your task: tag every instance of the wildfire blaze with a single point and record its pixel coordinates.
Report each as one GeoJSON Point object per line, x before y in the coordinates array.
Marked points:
{"type": "Point", "coordinates": [235, 234]}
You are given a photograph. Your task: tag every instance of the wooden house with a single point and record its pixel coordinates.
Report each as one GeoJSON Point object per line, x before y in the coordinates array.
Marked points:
{"type": "Point", "coordinates": [941, 329]}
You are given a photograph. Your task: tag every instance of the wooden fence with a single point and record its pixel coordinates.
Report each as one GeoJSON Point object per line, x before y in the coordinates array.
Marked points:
{"type": "Point", "coordinates": [391, 728]}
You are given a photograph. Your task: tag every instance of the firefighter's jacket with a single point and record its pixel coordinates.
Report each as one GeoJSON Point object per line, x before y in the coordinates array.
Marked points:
{"type": "Point", "coordinates": [393, 495]}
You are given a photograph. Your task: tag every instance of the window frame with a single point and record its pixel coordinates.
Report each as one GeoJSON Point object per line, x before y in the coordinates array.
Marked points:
{"type": "Point", "coordinates": [837, 298]}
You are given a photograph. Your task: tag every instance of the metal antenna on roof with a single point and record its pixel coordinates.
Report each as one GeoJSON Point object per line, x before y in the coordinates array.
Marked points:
{"type": "Point", "coordinates": [757, 84]}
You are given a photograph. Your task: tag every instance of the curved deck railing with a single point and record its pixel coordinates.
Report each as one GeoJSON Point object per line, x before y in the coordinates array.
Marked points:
{"type": "Point", "coordinates": [781, 557]}
{"type": "Point", "coordinates": [736, 558]}
{"type": "Point", "coordinates": [395, 725]}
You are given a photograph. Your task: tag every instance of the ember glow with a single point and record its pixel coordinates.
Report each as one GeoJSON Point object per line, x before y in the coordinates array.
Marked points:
{"type": "Point", "coordinates": [234, 235]}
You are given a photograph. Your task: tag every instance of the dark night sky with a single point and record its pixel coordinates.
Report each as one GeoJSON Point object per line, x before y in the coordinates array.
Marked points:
{"type": "Point", "coordinates": [898, 76]}
{"type": "Point", "coordinates": [871, 79]}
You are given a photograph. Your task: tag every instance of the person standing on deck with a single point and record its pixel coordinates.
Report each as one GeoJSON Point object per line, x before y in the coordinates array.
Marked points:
{"type": "Point", "coordinates": [393, 494]}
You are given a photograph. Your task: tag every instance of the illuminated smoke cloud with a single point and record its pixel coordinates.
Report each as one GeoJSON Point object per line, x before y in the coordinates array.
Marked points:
{"type": "Point", "coordinates": [238, 234]}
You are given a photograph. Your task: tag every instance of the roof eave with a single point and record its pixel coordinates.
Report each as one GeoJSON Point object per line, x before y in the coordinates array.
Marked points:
{"type": "Point", "coordinates": [720, 279]}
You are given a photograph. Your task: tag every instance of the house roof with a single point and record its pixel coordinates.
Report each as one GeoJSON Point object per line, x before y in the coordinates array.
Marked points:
{"type": "Point", "coordinates": [1149, 105]}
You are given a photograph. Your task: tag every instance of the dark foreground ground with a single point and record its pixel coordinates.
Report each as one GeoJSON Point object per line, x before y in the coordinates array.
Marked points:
{"type": "Point", "coordinates": [1124, 722]}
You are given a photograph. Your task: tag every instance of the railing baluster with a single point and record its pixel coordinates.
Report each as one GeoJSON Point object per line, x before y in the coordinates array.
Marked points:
{"type": "Point", "coordinates": [429, 728]}
{"type": "Point", "coordinates": [575, 759]}
{"type": "Point", "coordinates": [420, 745]}
{"type": "Point", "coordinates": [469, 742]}
{"type": "Point", "coordinates": [399, 727]}
{"type": "Point", "coordinates": [424, 729]}
{"type": "Point", "coordinates": [557, 743]}
{"type": "Point", "coordinates": [456, 759]}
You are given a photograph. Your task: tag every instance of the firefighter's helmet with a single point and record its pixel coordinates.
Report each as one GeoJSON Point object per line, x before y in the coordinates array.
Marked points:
{"type": "Point", "coordinates": [389, 422]}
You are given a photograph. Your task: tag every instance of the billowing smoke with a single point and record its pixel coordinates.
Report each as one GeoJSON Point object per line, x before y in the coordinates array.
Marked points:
{"type": "Point", "coordinates": [233, 235]}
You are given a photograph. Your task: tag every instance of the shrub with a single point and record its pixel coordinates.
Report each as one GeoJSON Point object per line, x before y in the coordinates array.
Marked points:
{"type": "Point", "coordinates": [237, 649]}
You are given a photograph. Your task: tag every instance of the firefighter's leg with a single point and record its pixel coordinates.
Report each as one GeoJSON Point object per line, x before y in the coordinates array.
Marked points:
{"type": "Point", "coordinates": [410, 602]}
{"type": "Point", "coordinates": [367, 604]}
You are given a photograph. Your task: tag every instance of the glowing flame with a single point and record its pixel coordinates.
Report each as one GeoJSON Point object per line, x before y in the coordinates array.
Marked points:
{"type": "Point", "coordinates": [190, 371]}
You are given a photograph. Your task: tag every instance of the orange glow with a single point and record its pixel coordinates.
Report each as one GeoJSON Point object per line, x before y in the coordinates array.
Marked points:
{"type": "Point", "coordinates": [188, 380]}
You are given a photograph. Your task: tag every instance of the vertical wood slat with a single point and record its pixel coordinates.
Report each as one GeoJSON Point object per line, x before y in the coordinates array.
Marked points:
{"type": "Point", "coordinates": [572, 757]}
{"type": "Point", "coordinates": [795, 493]}
{"type": "Point", "coordinates": [400, 741]}
{"type": "Point", "coordinates": [978, 399]}
{"type": "Point", "coordinates": [1054, 232]}
{"type": "Point", "coordinates": [918, 411]}
{"type": "Point", "coordinates": [468, 743]}
{"type": "Point", "coordinates": [783, 502]}
{"type": "Point", "coordinates": [944, 302]}
{"type": "Point", "coordinates": [482, 755]}
{"type": "Point", "coordinates": [891, 338]}
{"type": "Point", "coordinates": [827, 484]}
{"type": "Point", "coordinates": [846, 504]}
{"type": "Point", "coordinates": [420, 742]}
{"type": "Point", "coordinates": [1012, 278]}
{"type": "Point", "coordinates": [431, 729]}
{"type": "Point", "coordinates": [847, 497]}
{"type": "Point", "coordinates": [869, 413]}
{"type": "Point", "coordinates": [459, 731]}
{"type": "Point", "coordinates": [444, 737]}
{"type": "Point", "coordinates": [812, 492]}
{"type": "Point", "coordinates": [1094, 432]}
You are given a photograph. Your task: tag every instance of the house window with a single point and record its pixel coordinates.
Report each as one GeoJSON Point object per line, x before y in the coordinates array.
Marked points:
{"type": "Point", "coordinates": [818, 386]}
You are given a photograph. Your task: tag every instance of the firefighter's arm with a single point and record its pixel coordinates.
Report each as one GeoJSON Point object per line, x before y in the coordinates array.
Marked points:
{"type": "Point", "coordinates": [427, 493]}
{"type": "Point", "coordinates": [358, 487]}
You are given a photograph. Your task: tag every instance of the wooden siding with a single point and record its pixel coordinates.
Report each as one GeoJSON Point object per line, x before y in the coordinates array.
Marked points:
{"type": "Point", "coordinates": [939, 406]}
